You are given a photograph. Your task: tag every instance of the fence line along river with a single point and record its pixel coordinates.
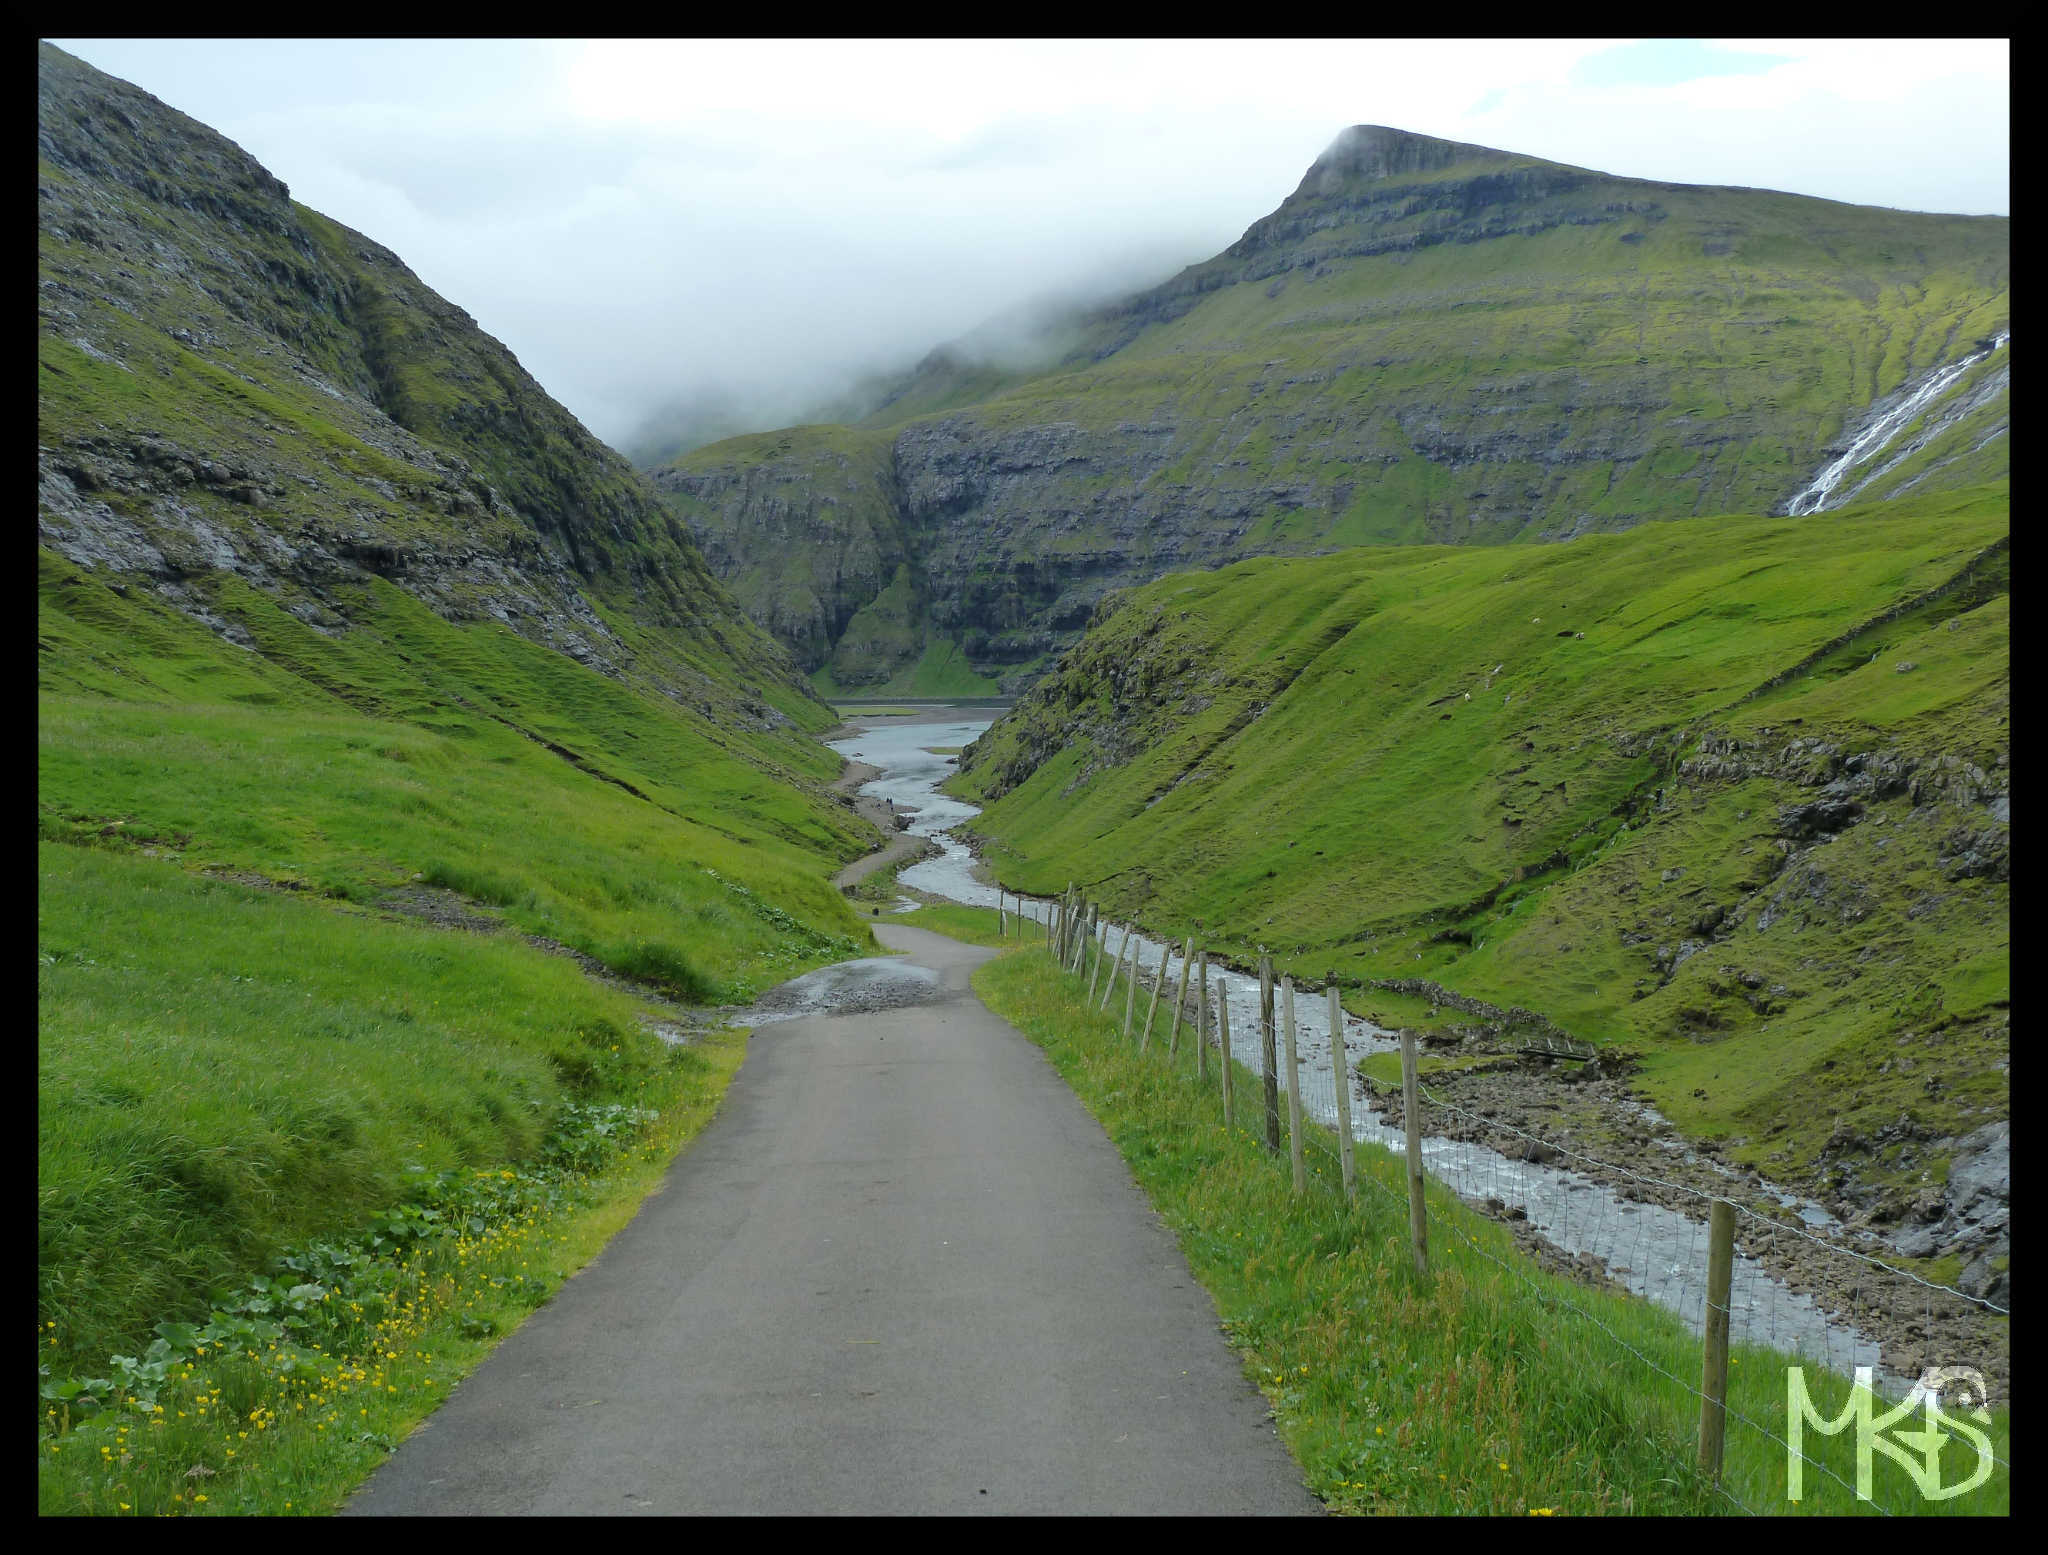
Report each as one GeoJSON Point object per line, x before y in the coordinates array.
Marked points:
{"type": "Point", "coordinates": [1652, 1250]}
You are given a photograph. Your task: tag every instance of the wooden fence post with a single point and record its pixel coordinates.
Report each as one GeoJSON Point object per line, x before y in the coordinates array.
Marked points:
{"type": "Point", "coordinates": [1418, 1216]}
{"type": "Point", "coordinates": [1294, 1152]}
{"type": "Point", "coordinates": [1202, 1023]}
{"type": "Point", "coordinates": [1714, 1362]}
{"type": "Point", "coordinates": [1268, 1064]}
{"type": "Point", "coordinates": [1180, 997]}
{"type": "Point", "coordinates": [1223, 1041]}
{"type": "Point", "coordinates": [1096, 950]}
{"type": "Point", "coordinates": [1123, 954]}
{"type": "Point", "coordinates": [1152, 1008]}
{"type": "Point", "coordinates": [1340, 1067]}
{"type": "Point", "coordinates": [1131, 988]}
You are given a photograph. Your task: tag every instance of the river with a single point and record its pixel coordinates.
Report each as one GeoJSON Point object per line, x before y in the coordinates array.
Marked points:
{"type": "Point", "coordinates": [1655, 1252]}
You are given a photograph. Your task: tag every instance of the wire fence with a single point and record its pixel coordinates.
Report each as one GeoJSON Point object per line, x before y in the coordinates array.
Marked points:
{"type": "Point", "coordinates": [1737, 1276]}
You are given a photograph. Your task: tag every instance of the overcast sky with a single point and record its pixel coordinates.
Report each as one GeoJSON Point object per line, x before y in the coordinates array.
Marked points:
{"type": "Point", "coordinates": [643, 222]}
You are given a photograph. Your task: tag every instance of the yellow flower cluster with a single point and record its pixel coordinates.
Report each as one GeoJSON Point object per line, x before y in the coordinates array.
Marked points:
{"type": "Point", "coordinates": [220, 1407]}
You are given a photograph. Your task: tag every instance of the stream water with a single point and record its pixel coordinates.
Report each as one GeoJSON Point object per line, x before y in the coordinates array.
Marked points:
{"type": "Point", "coordinates": [1656, 1252]}
{"type": "Point", "coordinates": [1883, 429]}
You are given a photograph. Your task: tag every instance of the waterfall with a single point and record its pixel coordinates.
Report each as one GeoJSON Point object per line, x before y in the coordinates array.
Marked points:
{"type": "Point", "coordinates": [1875, 438]}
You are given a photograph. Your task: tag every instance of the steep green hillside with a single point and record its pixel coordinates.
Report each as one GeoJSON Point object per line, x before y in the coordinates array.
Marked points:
{"type": "Point", "coordinates": [404, 772]}
{"type": "Point", "coordinates": [231, 383]}
{"type": "Point", "coordinates": [1426, 342]}
{"type": "Point", "coordinates": [1730, 793]}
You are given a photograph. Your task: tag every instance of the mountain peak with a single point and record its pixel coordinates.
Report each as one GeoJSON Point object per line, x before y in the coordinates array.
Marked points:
{"type": "Point", "coordinates": [1379, 151]}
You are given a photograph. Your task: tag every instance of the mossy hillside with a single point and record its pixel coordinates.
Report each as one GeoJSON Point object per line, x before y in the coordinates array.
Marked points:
{"type": "Point", "coordinates": [221, 1069]}
{"type": "Point", "coordinates": [1527, 351]}
{"type": "Point", "coordinates": [224, 1066]}
{"type": "Point", "coordinates": [248, 1030]}
{"type": "Point", "coordinates": [348, 469]}
{"type": "Point", "coordinates": [803, 526]}
{"type": "Point", "coordinates": [262, 420]}
{"type": "Point", "coordinates": [1409, 763]}
{"type": "Point", "coordinates": [1486, 350]}
{"type": "Point", "coordinates": [941, 670]}
{"type": "Point", "coordinates": [413, 747]}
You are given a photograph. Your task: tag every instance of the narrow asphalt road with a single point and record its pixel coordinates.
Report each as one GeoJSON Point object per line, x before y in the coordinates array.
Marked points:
{"type": "Point", "coordinates": [902, 1271]}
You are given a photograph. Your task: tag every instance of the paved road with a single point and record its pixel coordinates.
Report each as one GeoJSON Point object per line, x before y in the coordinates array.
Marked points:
{"type": "Point", "coordinates": [902, 1271]}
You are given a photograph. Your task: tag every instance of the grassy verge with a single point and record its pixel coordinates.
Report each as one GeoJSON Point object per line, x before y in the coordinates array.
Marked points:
{"type": "Point", "coordinates": [973, 925]}
{"type": "Point", "coordinates": [1486, 1386]}
{"type": "Point", "coordinates": [300, 1383]}
{"type": "Point", "coordinates": [223, 1070]}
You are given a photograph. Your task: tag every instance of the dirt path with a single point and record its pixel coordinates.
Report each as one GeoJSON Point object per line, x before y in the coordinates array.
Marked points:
{"type": "Point", "coordinates": [901, 847]}
{"type": "Point", "coordinates": [902, 1272]}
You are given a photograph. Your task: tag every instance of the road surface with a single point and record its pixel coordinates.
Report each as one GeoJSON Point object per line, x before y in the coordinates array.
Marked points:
{"type": "Point", "coordinates": [901, 1272]}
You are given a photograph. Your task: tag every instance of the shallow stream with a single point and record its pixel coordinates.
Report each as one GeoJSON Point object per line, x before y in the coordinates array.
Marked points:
{"type": "Point", "coordinates": [1655, 1252]}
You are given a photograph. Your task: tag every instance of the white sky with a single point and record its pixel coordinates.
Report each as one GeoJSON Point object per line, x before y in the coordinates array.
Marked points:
{"type": "Point", "coordinates": [758, 221]}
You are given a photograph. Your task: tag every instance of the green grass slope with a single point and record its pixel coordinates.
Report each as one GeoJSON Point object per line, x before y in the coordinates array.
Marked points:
{"type": "Point", "coordinates": [1726, 792]}
{"type": "Point", "coordinates": [296, 907]}
{"type": "Point", "coordinates": [402, 767]}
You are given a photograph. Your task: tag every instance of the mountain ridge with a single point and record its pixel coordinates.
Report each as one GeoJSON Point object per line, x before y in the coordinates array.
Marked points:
{"type": "Point", "coordinates": [1488, 348]}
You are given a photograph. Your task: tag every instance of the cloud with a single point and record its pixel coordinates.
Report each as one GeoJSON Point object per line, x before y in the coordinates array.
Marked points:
{"type": "Point", "coordinates": [754, 224]}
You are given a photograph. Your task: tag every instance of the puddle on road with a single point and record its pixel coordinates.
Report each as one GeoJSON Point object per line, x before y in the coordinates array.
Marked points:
{"type": "Point", "coordinates": [849, 988]}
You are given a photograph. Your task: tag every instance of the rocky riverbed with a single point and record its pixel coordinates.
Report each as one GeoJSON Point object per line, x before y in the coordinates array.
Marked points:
{"type": "Point", "coordinates": [1524, 1108]}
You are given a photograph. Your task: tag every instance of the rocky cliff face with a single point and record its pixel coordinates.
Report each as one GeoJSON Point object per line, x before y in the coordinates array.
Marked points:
{"type": "Point", "coordinates": [1427, 341]}
{"type": "Point", "coordinates": [231, 385]}
{"type": "Point", "coordinates": [809, 530]}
